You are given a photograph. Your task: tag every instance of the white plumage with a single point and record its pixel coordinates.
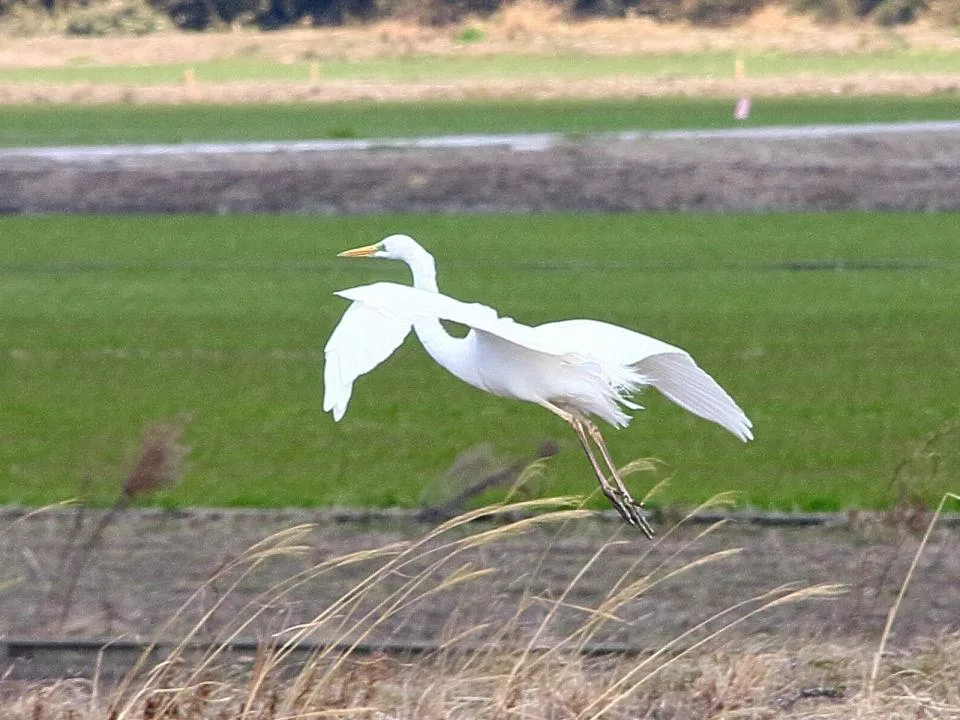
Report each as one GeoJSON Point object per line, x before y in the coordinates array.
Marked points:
{"type": "Point", "coordinates": [574, 368]}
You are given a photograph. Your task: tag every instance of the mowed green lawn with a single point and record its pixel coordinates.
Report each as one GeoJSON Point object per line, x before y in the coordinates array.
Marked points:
{"type": "Point", "coordinates": [107, 324]}
{"type": "Point", "coordinates": [99, 125]}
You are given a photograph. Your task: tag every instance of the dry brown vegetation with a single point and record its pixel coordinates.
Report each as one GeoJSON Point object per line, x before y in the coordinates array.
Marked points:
{"type": "Point", "coordinates": [522, 28]}
{"type": "Point", "coordinates": [824, 681]}
{"type": "Point", "coordinates": [495, 668]}
{"type": "Point", "coordinates": [502, 88]}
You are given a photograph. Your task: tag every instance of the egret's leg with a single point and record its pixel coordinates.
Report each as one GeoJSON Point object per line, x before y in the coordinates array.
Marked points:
{"type": "Point", "coordinates": [574, 422]}
{"type": "Point", "coordinates": [625, 495]}
{"type": "Point", "coordinates": [594, 432]}
{"type": "Point", "coordinates": [624, 505]}
{"type": "Point", "coordinates": [618, 496]}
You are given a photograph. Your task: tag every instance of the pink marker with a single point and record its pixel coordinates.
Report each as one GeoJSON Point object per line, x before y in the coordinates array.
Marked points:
{"type": "Point", "coordinates": [742, 109]}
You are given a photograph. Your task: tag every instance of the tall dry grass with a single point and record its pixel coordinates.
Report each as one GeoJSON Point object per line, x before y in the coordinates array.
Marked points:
{"type": "Point", "coordinates": [503, 666]}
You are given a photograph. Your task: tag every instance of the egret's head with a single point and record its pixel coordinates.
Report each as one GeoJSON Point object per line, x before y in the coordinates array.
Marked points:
{"type": "Point", "coordinates": [393, 247]}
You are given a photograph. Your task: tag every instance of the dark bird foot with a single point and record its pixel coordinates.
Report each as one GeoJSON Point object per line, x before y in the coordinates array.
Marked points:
{"type": "Point", "coordinates": [631, 511]}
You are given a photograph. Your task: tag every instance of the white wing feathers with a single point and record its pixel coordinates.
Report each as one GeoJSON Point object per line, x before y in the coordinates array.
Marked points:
{"type": "Point", "coordinates": [379, 320]}
{"type": "Point", "coordinates": [606, 342]}
{"type": "Point", "coordinates": [680, 379]}
{"type": "Point", "coordinates": [415, 304]}
{"type": "Point", "coordinates": [411, 304]}
{"type": "Point", "coordinates": [668, 368]}
{"type": "Point", "coordinates": [365, 337]}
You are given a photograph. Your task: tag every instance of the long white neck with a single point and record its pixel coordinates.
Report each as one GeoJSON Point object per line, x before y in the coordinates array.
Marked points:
{"type": "Point", "coordinates": [450, 352]}
{"type": "Point", "coordinates": [423, 269]}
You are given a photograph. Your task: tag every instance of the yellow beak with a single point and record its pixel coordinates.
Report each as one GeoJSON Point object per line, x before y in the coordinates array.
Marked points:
{"type": "Point", "coordinates": [365, 251]}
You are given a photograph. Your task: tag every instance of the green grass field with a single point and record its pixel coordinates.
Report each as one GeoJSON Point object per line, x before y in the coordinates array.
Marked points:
{"type": "Point", "coordinates": [107, 324]}
{"type": "Point", "coordinates": [426, 67]}
{"type": "Point", "coordinates": [94, 125]}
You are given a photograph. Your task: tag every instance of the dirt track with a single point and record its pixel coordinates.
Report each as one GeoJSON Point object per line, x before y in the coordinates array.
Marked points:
{"type": "Point", "coordinates": [918, 172]}
{"type": "Point", "coordinates": [333, 91]}
{"type": "Point", "coordinates": [148, 564]}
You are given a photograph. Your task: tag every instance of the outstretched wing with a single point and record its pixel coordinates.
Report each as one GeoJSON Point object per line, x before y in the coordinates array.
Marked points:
{"type": "Point", "coordinates": [668, 368]}
{"type": "Point", "coordinates": [366, 335]}
{"type": "Point", "coordinates": [508, 358]}
{"type": "Point", "coordinates": [411, 304]}
{"type": "Point", "coordinates": [680, 379]}
{"type": "Point", "coordinates": [379, 319]}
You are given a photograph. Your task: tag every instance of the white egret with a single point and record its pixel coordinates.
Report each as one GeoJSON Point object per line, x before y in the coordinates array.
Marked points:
{"type": "Point", "coordinates": [574, 368]}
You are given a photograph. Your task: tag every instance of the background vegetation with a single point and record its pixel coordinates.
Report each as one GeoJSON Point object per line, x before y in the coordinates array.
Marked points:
{"type": "Point", "coordinates": [136, 17]}
{"type": "Point", "coordinates": [837, 333]}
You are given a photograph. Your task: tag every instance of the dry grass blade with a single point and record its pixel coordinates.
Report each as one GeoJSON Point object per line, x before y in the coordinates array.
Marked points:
{"type": "Point", "coordinates": [625, 686]}
{"type": "Point", "coordinates": [528, 653]}
{"type": "Point", "coordinates": [892, 614]}
{"type": "Point", "coordinates": [126, 699]}
{"type": "Point", "coordinates": [406, 594]}
{"type": "Point", "coordinates": [477, 471]}
{"type": "Point", "coordinates": [717, 501]}
{"type": "Point", "coordinates": [33, 513]}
